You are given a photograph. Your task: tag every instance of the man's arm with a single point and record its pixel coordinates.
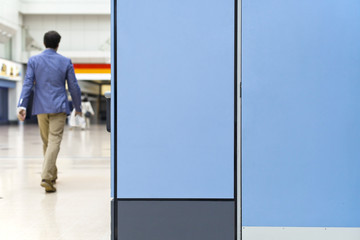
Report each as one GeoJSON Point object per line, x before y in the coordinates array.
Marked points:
{"type": "Point", "coordinates": [74, 88]}
{"type": "Point", "coordinates": [26, 91]}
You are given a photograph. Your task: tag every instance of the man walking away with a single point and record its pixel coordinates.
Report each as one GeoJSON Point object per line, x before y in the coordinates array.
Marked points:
{"type": "Point", "coordinates": [46, 74]}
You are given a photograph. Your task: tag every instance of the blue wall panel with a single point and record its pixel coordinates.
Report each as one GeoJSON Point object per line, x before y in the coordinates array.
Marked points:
{"type": "Point", "coordinates": [175, 99]}
{"type": "Point", "coordinates": [301, 113]}
{"type": "Point", "coordinates": [7, 84]}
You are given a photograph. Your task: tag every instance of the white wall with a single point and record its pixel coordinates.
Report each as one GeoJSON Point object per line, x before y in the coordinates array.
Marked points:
{"type": "Point", "coordinates": [84, 38]}
{"type": "Point", "coordinates": [65, 6]}
{"type": "Point", "coordinates": [9, 11]}
{"type": "Point", "coordinates": [10, 22]}
{"type": "Point", "coordinates": [2, 50]}
{"type": "Point", "coordinates": [79, 32]}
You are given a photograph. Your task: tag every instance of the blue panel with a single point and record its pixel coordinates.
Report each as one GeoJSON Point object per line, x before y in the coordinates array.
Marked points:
{"type": "Point", "coordinates": [175, 99]}
{"type": "Point", "coordinates": [7, 84]}
{"type": "Point", "coordinates": [301, 113]}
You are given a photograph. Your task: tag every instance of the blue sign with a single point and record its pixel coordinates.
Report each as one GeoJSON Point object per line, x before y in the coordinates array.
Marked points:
{"type": "Point", "coordinates": [175, 99]}
{"type": "Point", "coordinates": [301, 113]}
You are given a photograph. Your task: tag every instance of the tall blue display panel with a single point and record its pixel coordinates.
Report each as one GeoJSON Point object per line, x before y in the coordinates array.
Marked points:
{"type": "Point", "coordinates": [174, 129]}
{"type": "Point", "coordinates": [300, 119]}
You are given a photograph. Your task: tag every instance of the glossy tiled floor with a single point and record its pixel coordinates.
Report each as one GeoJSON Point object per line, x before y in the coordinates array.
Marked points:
{"type": "Point", "coordinates": [79, 210]}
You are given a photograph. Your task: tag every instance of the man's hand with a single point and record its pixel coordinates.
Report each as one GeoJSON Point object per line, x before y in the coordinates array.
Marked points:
{"type": "Point", "coordinates": [78, 113]}
{"type": "Point", "coordinates": [22, 115]}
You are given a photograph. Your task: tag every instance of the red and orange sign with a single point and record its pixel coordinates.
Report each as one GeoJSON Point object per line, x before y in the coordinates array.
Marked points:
{"type": "Point", "coordinates": [92, 68]}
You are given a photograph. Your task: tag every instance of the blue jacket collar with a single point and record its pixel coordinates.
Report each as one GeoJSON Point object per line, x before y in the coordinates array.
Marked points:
{"type": "Point", "coordinates": [49, 51]}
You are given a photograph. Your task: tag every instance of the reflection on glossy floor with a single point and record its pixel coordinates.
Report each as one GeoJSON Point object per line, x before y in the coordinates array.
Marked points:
{"type": "Point", "coordinates": [79, 210]}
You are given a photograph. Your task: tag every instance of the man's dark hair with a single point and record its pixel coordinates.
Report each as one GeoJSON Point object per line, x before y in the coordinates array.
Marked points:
{"type": "Point", "coordinates": [52, 39]}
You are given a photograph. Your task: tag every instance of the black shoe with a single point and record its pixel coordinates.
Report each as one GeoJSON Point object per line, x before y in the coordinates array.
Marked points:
{"type": "Point", "coordinates": [48, 185]}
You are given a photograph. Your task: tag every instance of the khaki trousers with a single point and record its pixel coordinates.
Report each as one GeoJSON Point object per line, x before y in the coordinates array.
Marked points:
{"type": "Point", "coordinates": [51, 132]}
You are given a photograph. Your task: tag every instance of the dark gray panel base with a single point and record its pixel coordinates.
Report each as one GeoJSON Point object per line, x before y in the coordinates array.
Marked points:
{"type": "Point", "coordinates": [175, 220]}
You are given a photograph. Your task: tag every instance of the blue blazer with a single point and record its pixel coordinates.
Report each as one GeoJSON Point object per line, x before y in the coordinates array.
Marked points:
{"type": "Point", "coordinates": [47, 73]}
